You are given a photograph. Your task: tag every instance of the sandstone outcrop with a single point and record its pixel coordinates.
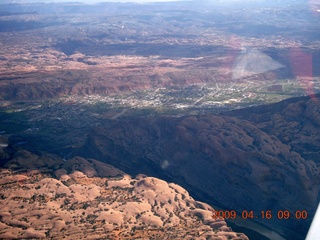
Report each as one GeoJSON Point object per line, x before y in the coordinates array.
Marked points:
{"type": "Point", "coordinates": [70, 204]}
{"type": "Point", "coordinates": [211, 153]}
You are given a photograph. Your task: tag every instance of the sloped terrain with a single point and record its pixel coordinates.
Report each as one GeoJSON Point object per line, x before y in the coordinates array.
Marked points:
{"type": "Point", "coordinates": [262, 158]}
{"type": "Point", "coordinates": [251, 165]}
{"type": "Point", "coordinates": [57, 201]}
{"type": "Point", "coordinates": [107, 82]}
{"type": "Point", "coordinates": [294, 121]}
{"type": "Point", "coordinates": [119, 50]}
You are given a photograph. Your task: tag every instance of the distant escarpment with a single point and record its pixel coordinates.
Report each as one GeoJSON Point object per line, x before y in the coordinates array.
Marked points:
{"type": "Point", "coordinates": [99, 81]}
{"type": "Point", "coordinates": [99, 74]}
{"type": "Point", "coordinates": [250, 165]}
{"type": "Point", "coordinates": [48, 198]}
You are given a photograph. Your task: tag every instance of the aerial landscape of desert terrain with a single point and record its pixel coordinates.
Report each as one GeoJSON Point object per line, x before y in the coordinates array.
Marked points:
{"type": "Point", "coordinates": [159, 120]}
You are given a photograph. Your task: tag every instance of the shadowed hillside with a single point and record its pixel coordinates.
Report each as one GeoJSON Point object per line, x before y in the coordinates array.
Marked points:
{"type": "Point", "coordinates": [264, 167]}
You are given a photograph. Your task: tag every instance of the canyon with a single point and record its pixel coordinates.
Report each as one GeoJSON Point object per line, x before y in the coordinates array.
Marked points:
{"type": "Point", "coordinates": [112, 105]}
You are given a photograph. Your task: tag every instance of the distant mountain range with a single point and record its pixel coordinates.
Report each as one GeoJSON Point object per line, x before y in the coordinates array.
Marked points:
{"type": "Point", "coordinates": [145, 89]}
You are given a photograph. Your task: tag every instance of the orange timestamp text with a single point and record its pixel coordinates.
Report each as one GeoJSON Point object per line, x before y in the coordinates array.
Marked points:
{"type": "Point", "coordinates": [268, 214]}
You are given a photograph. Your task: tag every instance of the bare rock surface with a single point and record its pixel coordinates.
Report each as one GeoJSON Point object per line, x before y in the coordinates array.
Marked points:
{"type": "Point", "coordinates": [73, 204]}
{"type": "Point", "coordinates": [208, 153]}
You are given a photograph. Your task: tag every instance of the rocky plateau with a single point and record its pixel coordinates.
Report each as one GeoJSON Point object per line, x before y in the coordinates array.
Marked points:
{"type": "Point", "coordinates": [165, 92]}
{"type": "Point", "coordinates": [44, 197]}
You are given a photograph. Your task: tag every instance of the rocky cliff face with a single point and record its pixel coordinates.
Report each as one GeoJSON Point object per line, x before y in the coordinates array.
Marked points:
{"type": "Point", "coordinates": [263, 158]}
{"type": "Point", "coordinates": [46, 197]}
{"type": "Point", "coordinates": [267, 162]}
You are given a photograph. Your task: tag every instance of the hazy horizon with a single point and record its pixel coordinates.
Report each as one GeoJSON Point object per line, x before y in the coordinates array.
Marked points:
{"type": "Point", "coordinates": [122, 1]}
